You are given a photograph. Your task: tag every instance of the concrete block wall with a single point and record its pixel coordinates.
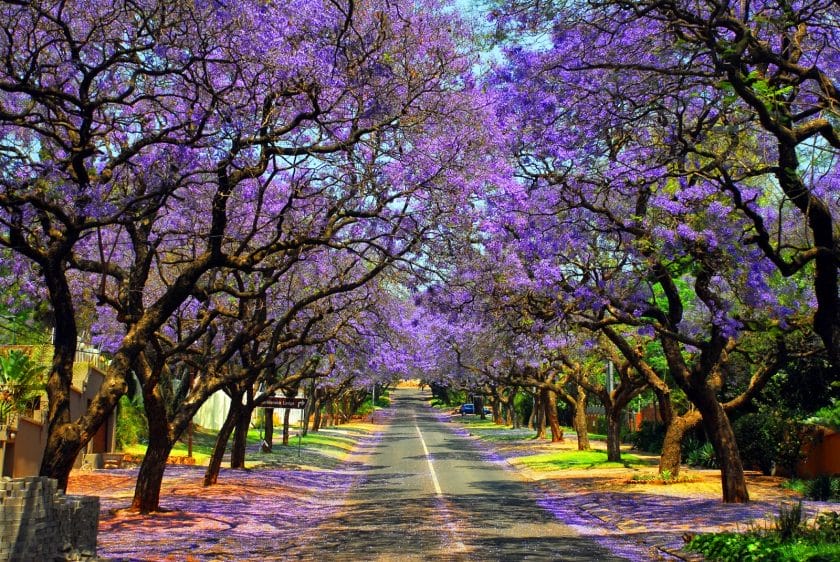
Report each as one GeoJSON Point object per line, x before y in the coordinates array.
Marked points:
{"type": "Point", "coordinates": [38, 522]}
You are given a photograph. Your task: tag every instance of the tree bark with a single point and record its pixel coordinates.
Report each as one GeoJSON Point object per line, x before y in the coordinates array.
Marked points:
{"type": "Point", "coordinates": [286, 415]}
{"type": "Point", "coordinates": [539, 416]}
{"type": "Point", "coordinates": [719, 430]}
{"type": "Point", "coordinates": [268, 430]}
{"type": "Point", "coordinates": [240, 437]}
{"type": "Point", "coordinates": [316, 422]}
{"type": "Point", "coordinates": [497, 412]}
{"type": "Point", "coordinates": [64, 440]}
{"type": "Point", "coordinates": [671, 458]}
{"type": "Point", "coordinates": [211, 475]}
{"type": "Point", "coordinates": [614, 434]}
{"type": "Point", "coordinates": [578, 404]}
{"type": "Point", "coordinates": [150, 477]}
{"type": "Point", "coordinates": [307, 411]}
{"type": "Point", "coordinates": [550, 405]}
{"type": "Point", "coordinates": [479, 407]}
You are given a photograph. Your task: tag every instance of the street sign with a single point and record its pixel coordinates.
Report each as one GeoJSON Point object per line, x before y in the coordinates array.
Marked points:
{"type": "Point", "coordinates": [283, 402]}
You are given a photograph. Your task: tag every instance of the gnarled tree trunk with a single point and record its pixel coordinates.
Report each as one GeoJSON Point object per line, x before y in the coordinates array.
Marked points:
{"type": "Point", "coordinates": [150, 478]}
{"type": "Point", "coordinates": [719, 430]}
{"type": "Point", "coordinates": [671, 457]}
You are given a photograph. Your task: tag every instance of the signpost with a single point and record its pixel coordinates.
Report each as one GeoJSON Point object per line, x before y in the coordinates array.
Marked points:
{"type": "Point", "coordinates": [285, 402]}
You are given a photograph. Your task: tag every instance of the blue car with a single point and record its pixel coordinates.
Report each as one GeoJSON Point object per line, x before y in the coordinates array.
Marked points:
{"type": "Point", "coordinates": [467, 409]}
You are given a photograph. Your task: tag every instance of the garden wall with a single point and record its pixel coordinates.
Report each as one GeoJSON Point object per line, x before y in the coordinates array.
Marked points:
{"type": "Point", "coordinates": [822, 454]}
{"type": "Point", "coordinates": [38, 522]}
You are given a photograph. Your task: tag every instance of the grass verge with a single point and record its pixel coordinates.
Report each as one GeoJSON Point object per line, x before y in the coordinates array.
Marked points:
{"type": "Point", "coordinates": [574, 460]}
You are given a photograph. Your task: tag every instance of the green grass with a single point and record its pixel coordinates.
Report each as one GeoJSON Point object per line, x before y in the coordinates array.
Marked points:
{"type": "Point", "coordinates": [203, 442]}
{"type": "Point", "coordinates": [487, 429]}
{"type": "Point", "coordinates": [329, 441]}
{"type": "Point", "coordinates": [325, 449]}
{"type": "Point", "coordinates": [569, 460]}
{"type": "Point", "coordinates": [800, 551]}
{"type": "Point", "coordinates": [795, 484]}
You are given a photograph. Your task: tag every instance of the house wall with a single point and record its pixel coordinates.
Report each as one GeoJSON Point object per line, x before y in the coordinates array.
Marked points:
{"type": "Point", "coordinates": [29, 448]}
{"type": "Point", "coordinates": [23, 456]}
{"type": "Point", "coordinates": [212, 413]}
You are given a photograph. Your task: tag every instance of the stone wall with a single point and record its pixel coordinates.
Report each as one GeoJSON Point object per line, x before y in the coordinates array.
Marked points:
{"type": "Point", "coordinates": [38, 522]}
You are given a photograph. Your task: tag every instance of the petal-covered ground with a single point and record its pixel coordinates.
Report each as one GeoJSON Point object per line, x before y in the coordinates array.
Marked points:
{"type": "Point", "coordinates": [275, 509]}
{"type": "Point", "coordinates": [254, 514]}
{"type": "Point", "coordinates": [638, 520]}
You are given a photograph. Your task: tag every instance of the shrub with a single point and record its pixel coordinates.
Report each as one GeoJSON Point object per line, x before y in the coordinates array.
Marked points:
{"type": "Point", "coordinates": [702, 456]}
{"type": "Point", "coordinates": [789, 521]}
{"type": "Point", "coordinates": [523, 403]}
{"type": "Point", "coordinates": [823, 488]}
{"type": "Point", "coordinates": [132, 426]}
{"type": "Point", "coordinates": [21, 382]}
{"type": "Point", "coordinates": [666, 477]}
{"type": "Point", "coordinates": [790, 540]}
{"type": "Point", "coordinates": [734, 547]}
{"type": "Point", "coordinates": [827, 527]}
{"type": "Point", "coordinates": [766, 438]}
{"type": "Point", "coordinates": [624, 434]}
{"type": "Point", "coordinates": [828, 415]}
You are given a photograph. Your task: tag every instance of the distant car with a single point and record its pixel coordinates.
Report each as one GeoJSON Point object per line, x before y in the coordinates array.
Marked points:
{"type": "Point", "coordinates": [467, 409]}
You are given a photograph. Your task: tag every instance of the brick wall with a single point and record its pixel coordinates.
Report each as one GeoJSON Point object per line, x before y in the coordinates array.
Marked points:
{"type": "Point", "coordinates": [38, 522]}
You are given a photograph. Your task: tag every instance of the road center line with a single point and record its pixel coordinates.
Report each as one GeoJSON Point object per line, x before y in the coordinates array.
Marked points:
{"type": "Point", "coordinates": [435, 482]}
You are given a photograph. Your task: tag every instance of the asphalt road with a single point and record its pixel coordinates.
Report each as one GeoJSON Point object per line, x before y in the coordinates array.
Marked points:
{"type": "Point", "coordinates": [425, 493]}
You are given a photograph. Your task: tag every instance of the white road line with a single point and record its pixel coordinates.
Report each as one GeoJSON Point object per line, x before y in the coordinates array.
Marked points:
{"type": "Point", "coordinates": [435, 482]}
{"type": "Point", "coordinates": [458, 545]}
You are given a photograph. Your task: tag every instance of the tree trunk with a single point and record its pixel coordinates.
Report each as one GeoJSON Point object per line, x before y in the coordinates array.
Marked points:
{"type": "Point", "coordinates": [579, 419]}
{"type": "Point", "coordinates": [211, 475]}
{"type": "Point", "coordinates": [675, 431]}
{"type": "Point", "coordinates": [150, 477]}
{"type": "Point", "coordinates": [539, 416]}
{"type": "Point", "coordinates": [307, 410]}
{"type": "Point", "coordinates": [316, 421]}
{"type": "Point", "coordinates": [64, 441]}
{"type": "Point", "coordinates": [326, 418]}
{"type": "Point", "coordinates": [479, 407]}
{"type": "Point", "coordinates": [268, 429]}
{"type": "Point", "coordinates": [286, 415]}
{"type": "Point", "coordinates": [550, 405]}
{"type": "Point", "coordinates": [719, 430]}
{"type": "Point", "coordinates": [614, 435]}
{"type": "Point", "coordinates": [532, 419]}
{"type": "Point", "coordinates": [240, 437]}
